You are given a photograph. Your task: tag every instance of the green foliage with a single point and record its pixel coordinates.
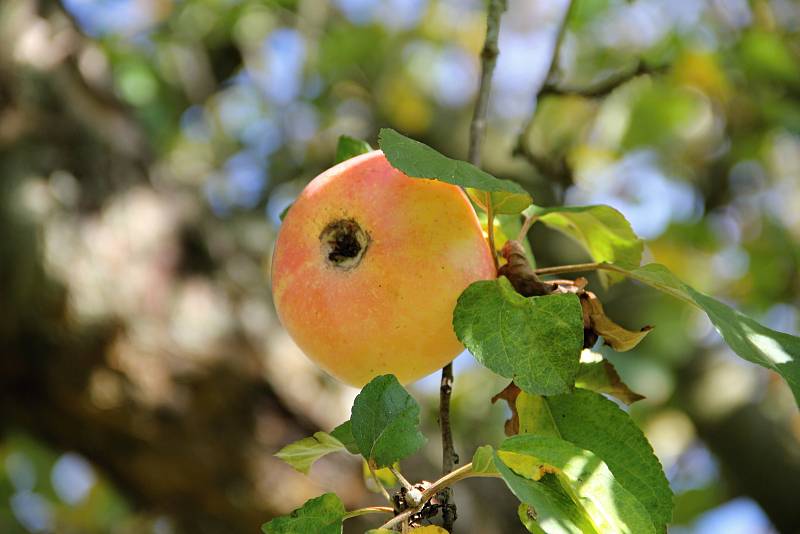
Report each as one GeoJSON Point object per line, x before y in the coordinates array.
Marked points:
{"type": "Point", "coordinates": [556, 512]}
{"type": "Point", "coordinates": [385, 422]}
{"type": "Point", "coordinates": [601, 230]}
{"type": "Point", "coordinates": [601, 376]}
{"type": "Point", "coordinates": [301, 454]}
{"type": "Point", "coordinates": [527, 515]}
{"type": "Point", "coordinates": [483, 460]}
{"type": "Point", "coordinates": [536, 341]}
{"type": "Point", "coordinates": [344, 433]}
{"type": "Point", "coordinates": [350, 147]}
{"type": "Point", "coordinates": [746, 106]}
{"type": "Point", "coordinates": [373, 478]}
{"type": "Point", "coordinates": [322, 515]}
{"type": "Point", "coordinates": [752, 341]}
{"type": "Point", "coordinates": [659, 113]}
{"type": "Point", "coordinates": [583, 12]}
{"type": "Point", "coordinates": [598, 501]}
{"type": "Point", "coordinates": [421, 161]}
{"type": "Point", "coordinates": [594, 423]}
{"type": "Point", "coordinates": [766, 55]}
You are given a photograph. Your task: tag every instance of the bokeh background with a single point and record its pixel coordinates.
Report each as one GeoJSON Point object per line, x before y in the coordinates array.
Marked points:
{"type": "Point", "coordinates": [147, 148]}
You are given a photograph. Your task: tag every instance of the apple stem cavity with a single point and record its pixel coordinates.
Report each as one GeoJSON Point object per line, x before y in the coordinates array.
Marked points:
{"type": "Point", "coordinates": [344, 244]}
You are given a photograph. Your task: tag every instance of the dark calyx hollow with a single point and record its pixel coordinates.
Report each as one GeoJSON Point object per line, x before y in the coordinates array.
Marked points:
{"type": "Point", "coordinates": [344, 243]}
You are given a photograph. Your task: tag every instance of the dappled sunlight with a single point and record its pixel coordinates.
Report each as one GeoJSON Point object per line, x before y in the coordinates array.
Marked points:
{"type": "Point", "coordinates": [769, 347]}
{"type": "Point", "coordinates": [732, 384]}
{"type": "Point", "coordinates": [149, 147]}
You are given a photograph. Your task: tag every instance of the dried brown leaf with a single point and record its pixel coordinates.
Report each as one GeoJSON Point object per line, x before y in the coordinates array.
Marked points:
{"type": "Point", "coordinates": [620, 339]}
{"type": "Point", "coordinates": [510, 394]}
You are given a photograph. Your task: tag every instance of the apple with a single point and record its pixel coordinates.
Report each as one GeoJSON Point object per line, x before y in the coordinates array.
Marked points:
{"type": "Point", "coordinates": [368, 266]}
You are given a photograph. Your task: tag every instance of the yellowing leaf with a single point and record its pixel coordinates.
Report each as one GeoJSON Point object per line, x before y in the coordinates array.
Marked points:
{"type": "Point", "coordinates": [592, 422]}
{"type": "Point", "coordinates": [534, 416]}
{"type": "Point", "coordinates": [527, 465]}
{"type": "Point", "coordinates": [483, 460]}
{"type": "Point", "coordinates": [527, 515]}
{"type": "Point", "coordinates": [702, 70]}
{"type": "Point", "coordinates": [429, 529]}
{"type": "Point", "coordinates": [303, 453]}
{"type": "Point", "coordinates": [384, 475]}
{"type": "Point", "coordinates": [600, 375]}
{"type": "Point", "coordinates": [619, 338]}
{"type": "Point", "coordinates": [600, 500]}
{"type": "Point", "coordinates": [601, 230]}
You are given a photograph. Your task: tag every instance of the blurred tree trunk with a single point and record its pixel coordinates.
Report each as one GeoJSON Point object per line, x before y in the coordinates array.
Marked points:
{"type": "Point", "coordinates": [758, 451]}
{"type": "Point", "coordinates": [194, 464]}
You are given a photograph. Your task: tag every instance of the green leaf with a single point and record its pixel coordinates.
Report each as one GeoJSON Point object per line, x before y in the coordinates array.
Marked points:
{"type": "Point", "coordinates": [322, 515]}
{"type": "Point", "coordinates": [503, 203]}
{"type": "Point", "coordinates": [535, 341]}
{"type": "Point", "coordinates": [385, 422]}
{"type": "Point", "coordinates": [594, 423]}
{"type": "Point", "coordinates": [527, 515]}
{"type": "Point", "coordinates": [765, 54]}
{"type": "Point", "coordinates": [344, 433]}
{"type": "Point", "coordinates": [752, 341]}
{"type": "Point", "coordinates": [601, 230]}
{"type": "Point", "coordinates": [301, 454]}
{"type": "Point", "coordinates": [483, 460]}
{"type": "Point", "coordinates": [606, 505]}
{"type": "Point", "coordinates": [598, 374]}
{"type": "Point", "coordinates": [418, 160]}
{"type": "Point", "coordinates": [535, 416]}
{"type": "Point", "coordinates": [350, 147]}
{"type": "Point", "coordinates": [556, 512]}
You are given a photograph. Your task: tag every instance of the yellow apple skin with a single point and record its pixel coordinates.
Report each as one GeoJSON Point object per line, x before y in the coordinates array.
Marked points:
{"type": "Point", "coordinates": [389, 310]}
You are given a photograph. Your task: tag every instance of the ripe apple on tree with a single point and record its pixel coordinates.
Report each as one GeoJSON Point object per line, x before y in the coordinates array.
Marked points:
{"type": "Point", "coordinates": [368, 266]}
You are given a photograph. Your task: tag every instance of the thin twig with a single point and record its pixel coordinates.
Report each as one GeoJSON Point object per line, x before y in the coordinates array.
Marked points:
{"type": "Point", "coordinates": [447, 480]}
{"type": "Point", "coordinates": [562, 27]}
{"type": "Point", "coordinates": [575, 268]}
{"type": "Point", "coordinates": [559, 170]}
{"type": "Point", "coordinates": [369, 510]}
{"type": "Point", "coordinates": [523, 232]}
{"type": "Point", "coordinates": [490, 230]}
{"type": "Point", "coordinates": [399, 476]}
{"type": "Point", "coordinates": [488, 61]}
{"type": "Point", "coordinates": [448, 450]}
{"type": "Point", "coordinates": [603, 88]}
{"type": "Point", "coordinates": [522, 146]}
{"type": "Point", "coordinates": [476, 133]}
{"type": "Point", "coordinates": [602, 266]}
{"type": "Point", "coordinates": [378, 482]}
